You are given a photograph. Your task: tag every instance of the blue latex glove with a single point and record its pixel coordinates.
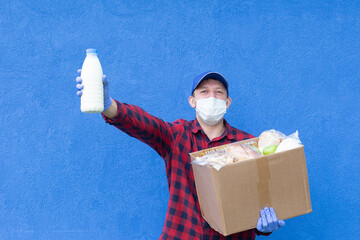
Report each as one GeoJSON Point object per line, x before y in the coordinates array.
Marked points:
{"type": "Point", "coordinates": [107, 99]}
{"type": "Point", "coordinates": [268, 221]}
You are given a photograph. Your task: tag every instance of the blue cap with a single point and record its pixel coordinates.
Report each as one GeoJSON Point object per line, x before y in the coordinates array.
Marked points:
{"type": "Point", "coordinates": [208, 75]}
{"type": "Point", "coordinates": [91, 50]}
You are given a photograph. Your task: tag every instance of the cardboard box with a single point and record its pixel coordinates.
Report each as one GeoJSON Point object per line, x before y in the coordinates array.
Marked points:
{"type": "Point", "coordinates": [231, 198]}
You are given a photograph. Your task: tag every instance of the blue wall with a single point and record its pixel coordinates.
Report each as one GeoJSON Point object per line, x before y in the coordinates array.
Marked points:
{"type": "Point", "coordinates": [292, 65]}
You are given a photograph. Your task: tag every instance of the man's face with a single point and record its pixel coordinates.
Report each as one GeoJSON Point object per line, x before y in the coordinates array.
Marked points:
{"type": "Point", "coordinates": [210, 88]}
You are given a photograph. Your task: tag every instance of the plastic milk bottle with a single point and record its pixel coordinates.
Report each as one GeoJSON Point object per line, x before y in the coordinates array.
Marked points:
{"type": "Point", "coordinates": [92, 99]}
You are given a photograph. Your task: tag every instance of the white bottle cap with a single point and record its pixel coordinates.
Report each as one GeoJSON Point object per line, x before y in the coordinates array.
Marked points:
{"type": "Point", "coordinates": [91, 50]}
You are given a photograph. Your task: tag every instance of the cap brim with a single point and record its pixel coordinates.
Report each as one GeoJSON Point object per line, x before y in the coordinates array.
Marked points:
{"type": "Point", "coordinates": [210, 75]}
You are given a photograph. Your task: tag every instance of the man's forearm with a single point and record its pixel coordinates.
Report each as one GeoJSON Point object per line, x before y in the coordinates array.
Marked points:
{"type": "Point", "coordinates": [112, 110]}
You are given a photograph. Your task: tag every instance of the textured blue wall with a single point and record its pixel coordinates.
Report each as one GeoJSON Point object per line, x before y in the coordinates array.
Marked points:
{"type": "Point", "coordinates": [292, 65]}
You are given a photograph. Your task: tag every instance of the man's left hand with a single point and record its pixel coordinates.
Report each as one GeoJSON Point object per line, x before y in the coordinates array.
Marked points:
{"type": "Point", "coordinates": [268, 221]}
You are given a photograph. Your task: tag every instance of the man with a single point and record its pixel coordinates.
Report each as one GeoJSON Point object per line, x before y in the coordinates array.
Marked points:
{"type": "Point", "coordinates": [174, 141]}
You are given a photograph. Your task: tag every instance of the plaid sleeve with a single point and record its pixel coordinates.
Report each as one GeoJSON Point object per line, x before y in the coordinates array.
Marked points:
{"type": "Point", "coordinates": [139, 124]}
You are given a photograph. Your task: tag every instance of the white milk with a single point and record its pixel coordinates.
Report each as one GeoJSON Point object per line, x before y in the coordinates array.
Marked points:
{"type": "Point", "coordinates": [92, 99]}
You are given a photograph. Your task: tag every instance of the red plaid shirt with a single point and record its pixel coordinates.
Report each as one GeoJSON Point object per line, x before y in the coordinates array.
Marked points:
{"type": "Point", "coordinates": [173, 142]}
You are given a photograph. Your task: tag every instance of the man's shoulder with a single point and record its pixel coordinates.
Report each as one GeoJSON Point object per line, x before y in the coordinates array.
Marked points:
{"type": "Point", "coordinates": [240, 134]}
{"type": "Point", "coordinates": [186, 125]}
{"type": "Point", "coordinates": [182, 124]}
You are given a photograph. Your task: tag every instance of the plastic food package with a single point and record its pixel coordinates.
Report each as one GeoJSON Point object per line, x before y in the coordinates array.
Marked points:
{"type": "Point", "coordinates": [290, 142]}
{"type": "Point", "coordinates": [231, 153]}
{"type": "Point", "coordinates": [270, 137]}
{"type": "Point", "coordinates": [236, 152]}
{"type": "Point", "coordinates": [241, 151]}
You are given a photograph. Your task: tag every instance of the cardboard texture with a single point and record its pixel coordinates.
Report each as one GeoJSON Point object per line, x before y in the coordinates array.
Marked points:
{"type": "Point", "coordinates": [231, 198]}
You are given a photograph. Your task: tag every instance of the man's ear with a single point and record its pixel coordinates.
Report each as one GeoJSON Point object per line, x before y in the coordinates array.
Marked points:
{"type": "Point", "coordinates": [192, 102]}
{"type": "Point", "coordinates": [228, 103]}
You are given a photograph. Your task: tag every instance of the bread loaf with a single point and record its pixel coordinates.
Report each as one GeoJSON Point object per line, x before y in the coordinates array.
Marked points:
{"type": "Point", "coordinates": [241, 152]}
{"type": "Point", "coordinates": [270, 137]}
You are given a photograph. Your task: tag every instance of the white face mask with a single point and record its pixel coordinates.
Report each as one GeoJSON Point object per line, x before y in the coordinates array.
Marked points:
{"type": "Point", "coordinates": [211, 110]}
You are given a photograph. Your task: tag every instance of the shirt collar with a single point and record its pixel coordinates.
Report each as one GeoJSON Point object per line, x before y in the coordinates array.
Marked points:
{"type": "Point", "coordinates": [227, 132]}
{"type": "Point", "coordinates": [196, 128]}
